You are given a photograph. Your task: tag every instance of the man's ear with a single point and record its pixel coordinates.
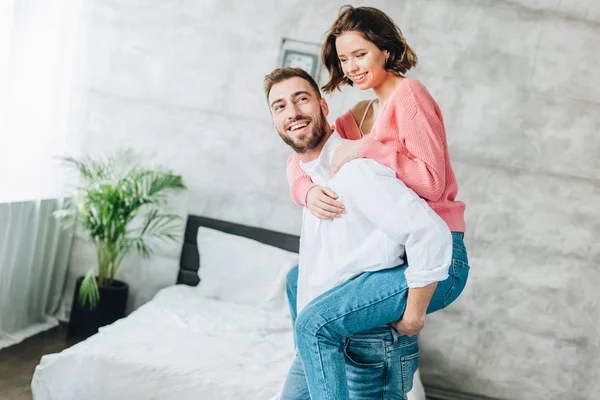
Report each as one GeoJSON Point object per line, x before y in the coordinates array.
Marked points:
{"type": "Point", "coordinates": [324, 106]}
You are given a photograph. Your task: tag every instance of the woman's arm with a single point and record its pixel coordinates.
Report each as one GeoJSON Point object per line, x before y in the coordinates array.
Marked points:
{"type": "Point", "coordinates": [320, 200]}
{"type": "Point", "coordinates": [300, 182]}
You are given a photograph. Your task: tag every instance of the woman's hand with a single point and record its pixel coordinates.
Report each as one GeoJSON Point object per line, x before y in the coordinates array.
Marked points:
{"type": "Point", "coordinates": [410, 325]}
{"type": "Point", "coordinates": [321, 201]}
{"type": "Point", "coordinates": [344, 153]}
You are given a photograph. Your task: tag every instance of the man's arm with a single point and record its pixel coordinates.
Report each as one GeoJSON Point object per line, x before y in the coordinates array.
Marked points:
{"type": "Point", "coordinates": [390, 205]}
{"type": "Point", "coordinates": [413, 319]}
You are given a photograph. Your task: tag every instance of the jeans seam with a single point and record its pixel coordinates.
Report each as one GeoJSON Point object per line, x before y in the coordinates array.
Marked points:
{"type": "Point", "coordinates": [322, 368]}
{"type": "Point", "coordinates": [385, 371]}
{"type": "Point", "coordinates": [451, 290]}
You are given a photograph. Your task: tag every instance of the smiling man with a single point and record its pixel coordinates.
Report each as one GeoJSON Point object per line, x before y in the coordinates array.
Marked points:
{"type": "Point", "coordinates": [352, 281]}
{"type": "Point", "coordinates": [306, 133]}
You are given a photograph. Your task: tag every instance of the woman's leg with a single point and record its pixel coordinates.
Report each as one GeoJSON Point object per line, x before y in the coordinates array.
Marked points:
{"type": "Point", "coordinates": [447, 291]}
{"type": "Point", "coordinates": [379, 363]}
{"type": "Point", "coordinates": [371, 300]}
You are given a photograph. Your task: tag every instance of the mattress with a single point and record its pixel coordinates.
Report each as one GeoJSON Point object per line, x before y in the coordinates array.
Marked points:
{"type": "Point", "coordinates": [177, 346]}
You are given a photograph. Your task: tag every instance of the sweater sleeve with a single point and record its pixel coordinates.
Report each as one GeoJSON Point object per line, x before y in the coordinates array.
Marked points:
{"type": "Point", "coordinates": [420, 162]}
{"type": "Point", "coordinates": [300, 182]}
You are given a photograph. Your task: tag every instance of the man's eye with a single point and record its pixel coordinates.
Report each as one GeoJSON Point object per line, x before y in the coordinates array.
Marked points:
{"type": "Point", "coordinates": [303, 99]}
{"type": "Point", "coordinates": [277, 108]}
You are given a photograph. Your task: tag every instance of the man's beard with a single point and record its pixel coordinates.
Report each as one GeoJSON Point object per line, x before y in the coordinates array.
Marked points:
{"type": "Point", "coordinates": [314, 138]}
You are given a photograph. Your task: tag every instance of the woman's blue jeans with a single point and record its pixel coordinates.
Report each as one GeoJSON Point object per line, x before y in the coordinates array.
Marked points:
{"type": "Point", "coordinates": [331, 322]}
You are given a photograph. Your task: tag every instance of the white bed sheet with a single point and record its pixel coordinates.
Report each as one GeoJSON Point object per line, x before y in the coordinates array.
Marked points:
{"type": "Point", "coordinates": [178, 346]}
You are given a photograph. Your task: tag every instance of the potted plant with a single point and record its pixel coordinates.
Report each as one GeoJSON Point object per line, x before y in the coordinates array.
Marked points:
{"type": "Point", "coordinates": [118, 204]}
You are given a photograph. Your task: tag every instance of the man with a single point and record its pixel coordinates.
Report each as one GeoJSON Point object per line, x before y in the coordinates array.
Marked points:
{"type": "Point", "coordinates": [351, 277]}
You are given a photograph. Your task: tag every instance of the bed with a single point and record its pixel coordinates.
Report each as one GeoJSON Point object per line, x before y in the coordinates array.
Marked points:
{"type": "Point", "coordinates": [223, 332]}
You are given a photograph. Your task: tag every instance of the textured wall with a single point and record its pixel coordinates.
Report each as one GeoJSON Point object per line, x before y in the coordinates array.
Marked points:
{"type": "Point", "coordinates": [519, 85]}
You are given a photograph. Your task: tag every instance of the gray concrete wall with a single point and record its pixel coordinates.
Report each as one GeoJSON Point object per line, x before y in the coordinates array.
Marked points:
{"type": "Point", "coordinates": [519, 85]}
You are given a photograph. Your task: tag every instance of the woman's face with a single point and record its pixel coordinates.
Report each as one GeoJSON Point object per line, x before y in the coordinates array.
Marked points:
{"type": "Point", "coordinates": [362, 62]}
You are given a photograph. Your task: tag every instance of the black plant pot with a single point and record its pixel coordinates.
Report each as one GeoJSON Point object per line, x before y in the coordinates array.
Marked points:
{"type": "Point", "coordinates": [85, 322]}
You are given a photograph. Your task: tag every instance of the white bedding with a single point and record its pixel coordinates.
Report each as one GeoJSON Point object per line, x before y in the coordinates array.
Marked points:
{"type": "Point", "coordinates": [229, 338]}
{"type": "Point", "coordinates": [178, 346]}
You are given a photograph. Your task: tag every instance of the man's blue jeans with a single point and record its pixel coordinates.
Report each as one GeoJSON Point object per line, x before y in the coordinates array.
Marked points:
{"type": "Point", "coordinates": [374, 367]}
{"type": "Point", "coordinates": [368, 301]}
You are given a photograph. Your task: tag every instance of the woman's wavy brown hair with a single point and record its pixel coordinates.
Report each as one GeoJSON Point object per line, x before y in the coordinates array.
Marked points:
{"type": "Point", "coordinates": [377, 28]}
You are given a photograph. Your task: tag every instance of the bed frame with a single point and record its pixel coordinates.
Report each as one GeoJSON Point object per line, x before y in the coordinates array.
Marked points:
{"type": "Point", "coordinates": [190, 259]}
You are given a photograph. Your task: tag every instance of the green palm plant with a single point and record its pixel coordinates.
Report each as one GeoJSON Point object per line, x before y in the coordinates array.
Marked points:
{"type": "Point", "coordinates": [117, 203]}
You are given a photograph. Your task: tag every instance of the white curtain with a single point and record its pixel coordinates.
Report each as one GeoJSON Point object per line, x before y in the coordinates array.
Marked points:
{"type": "Point", "coordinates": [41, 58]}
{"type": "Point", "coordinates": [40, 65]}
{"type": "Point", "coordinates": [34, 255]}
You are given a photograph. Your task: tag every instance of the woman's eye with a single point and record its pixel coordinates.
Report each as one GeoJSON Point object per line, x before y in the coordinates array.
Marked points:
{"type": "Point", "coordinates": [343, 61]}
{"type": "Point", "coordinates": [361, 55]}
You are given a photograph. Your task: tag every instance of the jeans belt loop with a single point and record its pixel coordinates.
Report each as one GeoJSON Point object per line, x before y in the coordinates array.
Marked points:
{"type": "Point", "coordinates": [394, 333]}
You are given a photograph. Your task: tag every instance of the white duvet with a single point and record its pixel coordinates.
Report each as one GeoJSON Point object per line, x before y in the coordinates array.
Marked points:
{"type": "Point", "coordinates": [178, 346]}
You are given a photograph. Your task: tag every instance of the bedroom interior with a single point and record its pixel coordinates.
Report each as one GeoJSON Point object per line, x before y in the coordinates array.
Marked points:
{"type": "Point", "coordinates": [180, 83]}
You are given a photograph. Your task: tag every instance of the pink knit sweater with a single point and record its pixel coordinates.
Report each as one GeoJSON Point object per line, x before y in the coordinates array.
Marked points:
{"type": "Point", "coordinates": [408, 137]}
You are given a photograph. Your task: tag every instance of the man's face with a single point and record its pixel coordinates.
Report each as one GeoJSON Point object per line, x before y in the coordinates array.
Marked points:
{"type": "Point", "coordinates": [299, 115]}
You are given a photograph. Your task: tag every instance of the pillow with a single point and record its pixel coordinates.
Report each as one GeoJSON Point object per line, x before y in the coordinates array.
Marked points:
{"type": "Point", "coordinates": [241, 270]}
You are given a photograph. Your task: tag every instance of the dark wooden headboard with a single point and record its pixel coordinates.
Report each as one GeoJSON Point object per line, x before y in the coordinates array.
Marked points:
{"type": "Point", "coordinates": [190, 259]}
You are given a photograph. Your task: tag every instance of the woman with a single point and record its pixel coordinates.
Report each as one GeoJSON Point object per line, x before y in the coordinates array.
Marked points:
{"type": "Point", "coordinates": [365, 48]}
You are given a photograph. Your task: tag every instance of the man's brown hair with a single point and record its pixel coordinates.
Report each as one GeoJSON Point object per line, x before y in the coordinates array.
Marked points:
{"type": "Point", "coordinates": [376, 27]}
{"type": "Point", "coordinates": [283, 74]}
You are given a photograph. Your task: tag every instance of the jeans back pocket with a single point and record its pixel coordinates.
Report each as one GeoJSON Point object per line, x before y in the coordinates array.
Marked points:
{"type": "Point", "coordinates": [404, 355]}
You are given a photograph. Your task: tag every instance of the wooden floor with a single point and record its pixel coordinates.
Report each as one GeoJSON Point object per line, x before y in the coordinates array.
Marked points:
{"type": "Point", "coordinates": [18, 362]}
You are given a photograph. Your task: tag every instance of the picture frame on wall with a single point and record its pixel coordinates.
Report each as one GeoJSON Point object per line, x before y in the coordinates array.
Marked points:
{"type": "Point", "coordinates": [300, 59]}
{"type": "Point", "coordinates": [301, 54]}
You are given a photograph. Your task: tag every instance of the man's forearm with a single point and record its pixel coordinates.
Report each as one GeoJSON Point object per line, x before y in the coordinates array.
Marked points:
{"type": "Point", "coordinates": [418, 300]}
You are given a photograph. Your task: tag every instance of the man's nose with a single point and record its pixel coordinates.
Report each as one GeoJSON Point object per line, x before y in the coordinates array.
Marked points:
{"type": "Point", "coordinates": [293, 112]}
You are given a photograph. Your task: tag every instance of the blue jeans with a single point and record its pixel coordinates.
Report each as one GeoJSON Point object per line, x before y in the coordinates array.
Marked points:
{"type": "Point", "coordinates": [368, 301]}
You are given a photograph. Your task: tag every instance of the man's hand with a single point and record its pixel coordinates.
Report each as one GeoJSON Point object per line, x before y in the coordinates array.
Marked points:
{"type": "Point", "coordinates": [410, 325]}
{"type": "Point", "coordinates": [321, 201]}
{"type": "Point", "coordinates": [345, 152]}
